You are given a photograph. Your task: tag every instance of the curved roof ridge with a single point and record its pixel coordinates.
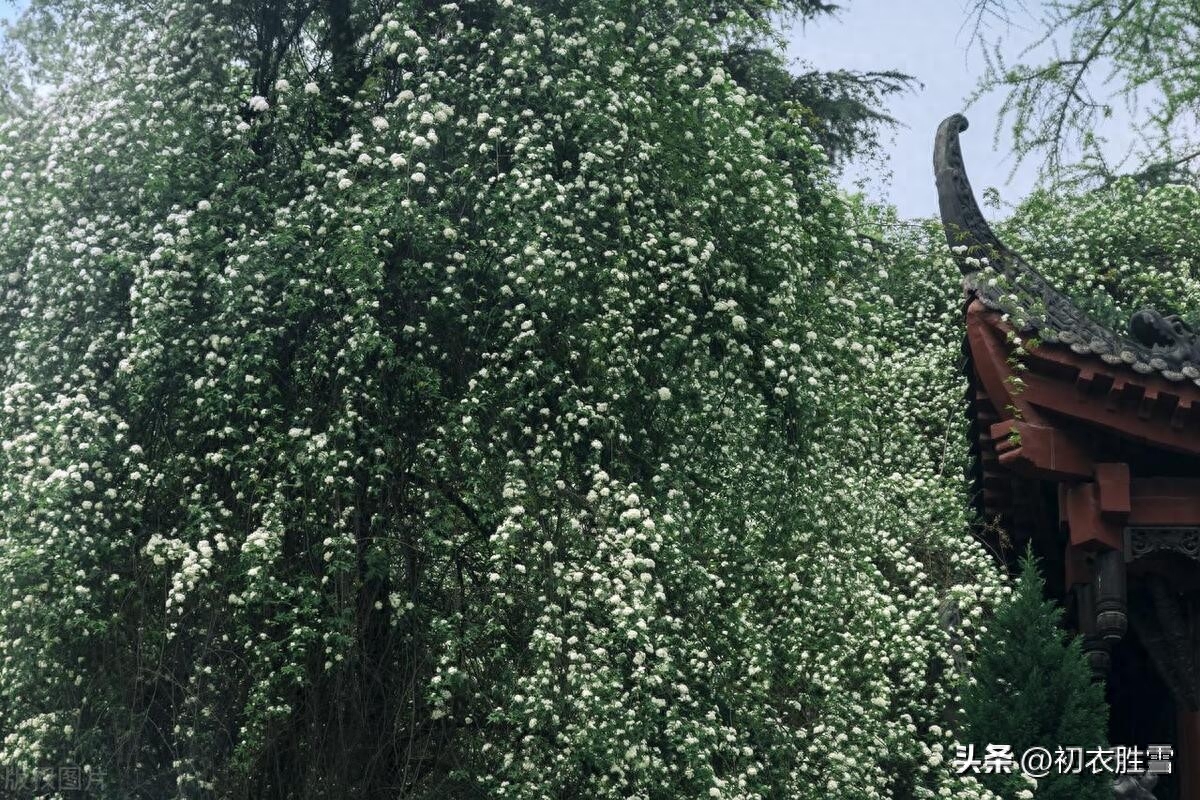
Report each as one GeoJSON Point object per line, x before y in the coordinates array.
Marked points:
{"type": "Point", "coordinates": [1004, 281]}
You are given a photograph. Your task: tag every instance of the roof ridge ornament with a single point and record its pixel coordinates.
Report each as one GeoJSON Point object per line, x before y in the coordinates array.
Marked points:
{"type": "Point", "coordinates": [1155, 344]}
{"type": "Point", "coordinates": [1168, 334]}
{"type": "Point", "coordinates": [962, 218]}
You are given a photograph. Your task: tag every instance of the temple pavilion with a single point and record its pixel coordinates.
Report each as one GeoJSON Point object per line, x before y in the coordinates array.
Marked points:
{"type": "Point", "coordinates": [1087, 444]}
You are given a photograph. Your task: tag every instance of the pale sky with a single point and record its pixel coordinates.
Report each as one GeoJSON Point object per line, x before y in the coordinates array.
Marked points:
{"type": "Point", "coordinates": [928, 39]}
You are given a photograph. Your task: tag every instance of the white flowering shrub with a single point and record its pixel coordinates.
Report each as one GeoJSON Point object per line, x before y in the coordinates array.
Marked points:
{"type": "Point", "coordinates": [1118, 248]}
{"type": "Point", "coordinates": [480, 399]}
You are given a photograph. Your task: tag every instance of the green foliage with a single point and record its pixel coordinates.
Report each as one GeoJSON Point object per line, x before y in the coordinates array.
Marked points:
{"type": "Point", "coordinates": [1029, 688]}
{"type": "Point", "coordinates": [1115, 249]}
{"type": "Point", "coordinates": [1094, 57]}
{"type": "Point", "coordinates": [843, 109]}
{"type": "Point", "coordinates": [720, 10]}
{"type": "Point", "coordinates": [462, 400]}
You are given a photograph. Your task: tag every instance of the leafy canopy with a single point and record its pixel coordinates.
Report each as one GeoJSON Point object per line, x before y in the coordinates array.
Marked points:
{"type": "Point", "coordinates": [478, 399]}
{"type": "Point", "coordinates": [1096, 58]}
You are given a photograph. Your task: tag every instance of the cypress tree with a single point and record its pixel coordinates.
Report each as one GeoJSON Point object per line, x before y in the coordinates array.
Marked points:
{"type": "Point", "coordinates": [1031, 687]}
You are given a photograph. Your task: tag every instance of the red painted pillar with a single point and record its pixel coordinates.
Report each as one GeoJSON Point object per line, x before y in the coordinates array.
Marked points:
{"type": "Point", "coordinates": [1187, 757]}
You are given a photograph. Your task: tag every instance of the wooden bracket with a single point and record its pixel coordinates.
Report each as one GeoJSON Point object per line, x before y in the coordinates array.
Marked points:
{"type": "Point", "coordinates": [1080, 508]}
{"type": "Point", "coordinates": [1040, 451]}
{"type": "Point", "coordinates": [1113, 483]}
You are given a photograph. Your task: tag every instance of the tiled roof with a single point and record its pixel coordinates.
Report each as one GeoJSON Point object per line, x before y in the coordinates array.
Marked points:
{"type": "Point", "coordinates": [1002, 280]}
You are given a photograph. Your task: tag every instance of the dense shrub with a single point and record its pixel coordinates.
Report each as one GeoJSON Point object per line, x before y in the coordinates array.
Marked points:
{"type": "Point", "coordinates": [480, 399]}
{"type": "Point", "coordinates": [1116, 249]}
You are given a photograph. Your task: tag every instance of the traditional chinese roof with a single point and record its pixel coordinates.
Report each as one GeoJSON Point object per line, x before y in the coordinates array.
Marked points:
{"type": "Point", "coordinates": [1078, 396]}
{"type": "Point", "coordinates": [1086, 445]}
{"type": "Point", "coordinates": [1003, 281]}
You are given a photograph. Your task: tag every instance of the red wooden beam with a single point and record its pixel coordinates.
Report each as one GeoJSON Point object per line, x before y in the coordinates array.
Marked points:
{"type": "Point", "coordinates": [1040, 451]}
{"type": "Point", "coordinates": [1147, 408]}
{"type": "Point", "coordinates": [1164, 501]}
{"type": "Point", "coordinates": [1051, 395]}
{"type": "Point", "coordinates": [990, 352]}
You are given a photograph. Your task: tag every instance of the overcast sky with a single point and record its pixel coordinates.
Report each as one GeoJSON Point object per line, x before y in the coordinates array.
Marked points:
{"type": "Point", "coordinates": [929, 39]}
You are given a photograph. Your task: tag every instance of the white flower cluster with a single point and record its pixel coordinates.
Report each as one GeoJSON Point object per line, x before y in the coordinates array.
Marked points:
{"type": "Point", "coordinates": [514, 394]}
